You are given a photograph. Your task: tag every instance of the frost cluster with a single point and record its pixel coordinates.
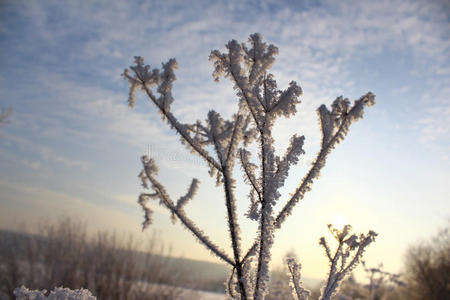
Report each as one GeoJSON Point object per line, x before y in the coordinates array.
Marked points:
{"type": "Point", "coordinates": [298, 291]}
{"type": "Point", "coordinates": [348, 254]}
{"type": "Point", "coordinates": [58, 293]}
{"type": "Point", "coordinates": [221, 142]}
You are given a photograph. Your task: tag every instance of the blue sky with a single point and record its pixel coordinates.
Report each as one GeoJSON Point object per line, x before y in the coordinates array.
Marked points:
{"type": "Point", "coordinates": [72, 146]}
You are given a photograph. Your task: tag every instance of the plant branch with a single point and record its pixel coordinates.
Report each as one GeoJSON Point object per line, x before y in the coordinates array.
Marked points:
{"type": "Point", "coordinates": [233, 141]}
{"type": "Point", "coordinates": [313, 173]}
{"type": "Point", "coordinates": [244, 94]}
{"type": "Point", "coordinates": [179, 213]}
{"type": "Point", "coordinates": [179, 128]}
{"type": "Point", "coordinates": [233, 227]}
{"type": "Point", "coordinates": [248, 174]}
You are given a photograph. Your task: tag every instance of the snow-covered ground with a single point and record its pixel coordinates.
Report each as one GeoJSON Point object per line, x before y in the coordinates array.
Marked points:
{"type": "Point", "coordinates": [23, 293]}
{"type": "Point", "coordinates": [190, 294]}
{"type": "Point", "coordinates": [208, 296]}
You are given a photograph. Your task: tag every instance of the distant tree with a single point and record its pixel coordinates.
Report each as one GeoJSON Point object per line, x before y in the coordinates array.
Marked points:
{"type": "Point", "coordinates": [380, 282]}
{"type": "Point", "coordinates": [221, 142]}
{"type": "Point", "coordinates": [427, 268]}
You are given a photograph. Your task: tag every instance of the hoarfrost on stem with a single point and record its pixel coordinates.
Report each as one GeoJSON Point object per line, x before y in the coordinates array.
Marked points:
{"type": "Point", "coordinates": [346, 257]}
{"type": "Point", "coordinates": [298, 291]}
{"type": "Point", "coordinates": [220, 142]}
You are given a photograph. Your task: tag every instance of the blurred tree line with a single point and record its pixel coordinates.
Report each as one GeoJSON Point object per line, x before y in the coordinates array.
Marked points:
{"type": "Point", "coordinates": [110, 265]}
{"type": "Point", "coordinates": [115, 267]}
{"type": "Point", "coordinates": [425, 275]}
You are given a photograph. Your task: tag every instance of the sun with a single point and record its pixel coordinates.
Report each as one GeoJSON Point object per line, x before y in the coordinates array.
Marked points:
{"type": "Point", "coordinates": [339, 221]}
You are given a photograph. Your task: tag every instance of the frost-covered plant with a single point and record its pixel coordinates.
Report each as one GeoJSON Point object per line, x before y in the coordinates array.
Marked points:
{"type": "Point", "coordinates": [378, 278]}
{"type": "Point", "coordinates": [221, 142]}
{"type": "Point", "coordinates": [298, 291]}
{"type": "Point", "coordinates": [346, 257]}
{"type": "Point", "coordinates": [59, 293]}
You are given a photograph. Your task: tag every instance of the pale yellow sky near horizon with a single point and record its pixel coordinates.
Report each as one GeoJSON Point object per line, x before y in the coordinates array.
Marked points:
{"type": "Point", "coordinates": [299, 235]}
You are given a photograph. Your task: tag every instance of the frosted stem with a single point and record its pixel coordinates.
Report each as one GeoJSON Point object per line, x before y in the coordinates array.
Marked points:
{"type": "Point", "coordinates": [178, 127]}
{"type": "Point", "coordinates": [187, 222]}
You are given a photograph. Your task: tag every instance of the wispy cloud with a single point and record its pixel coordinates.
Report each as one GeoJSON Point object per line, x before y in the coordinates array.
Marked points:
{"type": "Point", "coordinates": [45, 154]}
{"type": "Point", "coordinates": [318, 43]}
{"type": "Point", "coordinates": [51, 205]}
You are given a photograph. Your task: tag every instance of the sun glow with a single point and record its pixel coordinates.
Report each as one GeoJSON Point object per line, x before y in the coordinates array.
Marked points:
{"type": "Point", "coordinates": [339, 221]}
